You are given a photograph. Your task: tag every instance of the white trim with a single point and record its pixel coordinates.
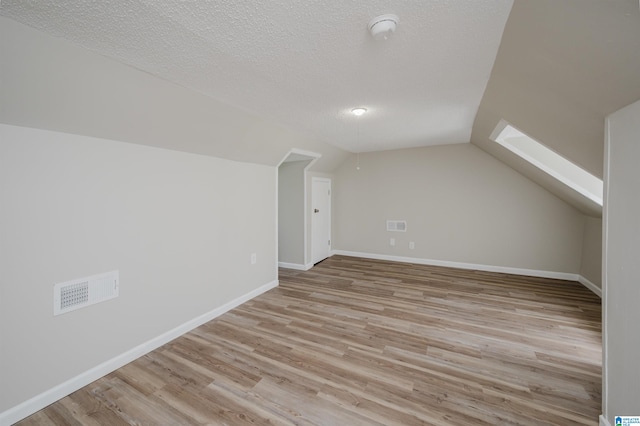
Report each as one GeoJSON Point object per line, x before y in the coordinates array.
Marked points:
{"type": "Point", "coordinates": [312, 155]}
{"type": "Point", "coordinates": [605, 266]}
{"type": "Point", "coordinates": [305, 212]}
{"type": "Point", "coordinates": [296, 266]}
{"type": "Point", "coordinates": [591, 286]}
{"type": "Point", "coordinates": [478, 267]}
{"type": "Point", "coordinates": [38, 402]}
{"type": "Point", "coordinates": [472, 266]}
{"type": "Point", "coordinates": [277, 218]}
{"type": "Point", "coordinates": [603, 421]}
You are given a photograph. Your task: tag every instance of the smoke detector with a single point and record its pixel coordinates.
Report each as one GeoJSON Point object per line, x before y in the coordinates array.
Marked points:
{"type": "Point", "coordinates": [381, 27]}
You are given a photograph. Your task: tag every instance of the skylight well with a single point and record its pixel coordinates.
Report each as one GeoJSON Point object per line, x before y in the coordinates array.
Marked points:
{"type": "Point", "coordinates": [548, 161]}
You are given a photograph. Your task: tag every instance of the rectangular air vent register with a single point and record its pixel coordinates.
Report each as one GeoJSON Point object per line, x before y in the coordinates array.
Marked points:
{"type": "Point", "coordinates": [76, 294]}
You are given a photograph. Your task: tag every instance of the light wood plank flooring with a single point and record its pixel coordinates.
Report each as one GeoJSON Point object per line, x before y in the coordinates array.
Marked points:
{"type": "Point", "coordinates": [364, 342]}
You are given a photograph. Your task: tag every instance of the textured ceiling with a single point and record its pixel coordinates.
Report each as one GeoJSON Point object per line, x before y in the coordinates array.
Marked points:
{"type": "Point", "coordinates": [304, 64]}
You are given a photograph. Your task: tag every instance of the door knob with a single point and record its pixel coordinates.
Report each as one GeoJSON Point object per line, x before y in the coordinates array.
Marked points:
{"type": "Point", "coordinates": [316, 211]}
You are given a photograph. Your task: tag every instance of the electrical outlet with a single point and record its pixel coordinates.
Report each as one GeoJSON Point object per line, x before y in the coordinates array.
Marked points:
{"type": "Point", "coordinates": [392, 242]}
{"type": "Point", "coordinates": [254, 258]}
{"type": "Point", "coordinates": [412, 245]}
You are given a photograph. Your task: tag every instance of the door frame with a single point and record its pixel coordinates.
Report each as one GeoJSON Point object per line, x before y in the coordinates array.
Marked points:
{"type": "Point", "coordinates": [315, 179]}
{"type": "Point", "coordinates": [313, 156]}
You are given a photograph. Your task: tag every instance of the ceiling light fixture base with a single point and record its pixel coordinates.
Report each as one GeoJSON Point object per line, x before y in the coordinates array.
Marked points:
{"type": "Point", "coordinates": [381, 27]}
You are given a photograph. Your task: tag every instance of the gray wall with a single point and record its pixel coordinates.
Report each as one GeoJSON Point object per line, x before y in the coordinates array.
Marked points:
{"type": "Point", "coordinates": [461, 205]}
{"type": "Point", "coordinates": [179, 227]}
{"type": "Point", "coordinates": [591, 263]}
{"type": "Point", "coordinates": [291, 210]}
{"type": "Point", "coordinates": [621, 297]}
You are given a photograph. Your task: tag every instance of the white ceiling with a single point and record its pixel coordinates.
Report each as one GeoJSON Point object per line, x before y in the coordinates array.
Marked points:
{"type": "Point", "coordinates": [304, 64]}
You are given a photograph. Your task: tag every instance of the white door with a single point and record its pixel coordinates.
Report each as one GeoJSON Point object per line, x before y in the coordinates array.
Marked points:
{"type": "Point", "coordinates": [320, 219]}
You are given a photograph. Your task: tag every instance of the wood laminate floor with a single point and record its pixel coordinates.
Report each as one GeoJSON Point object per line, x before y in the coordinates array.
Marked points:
{"type": "Point", "coordinates": [365, 342]}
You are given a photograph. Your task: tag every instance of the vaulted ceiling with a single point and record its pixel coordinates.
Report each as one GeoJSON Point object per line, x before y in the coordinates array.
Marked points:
{"type": "Point", "coordinates": [453, 69]}
{"type": "Point", "coordinates": [562, 67]}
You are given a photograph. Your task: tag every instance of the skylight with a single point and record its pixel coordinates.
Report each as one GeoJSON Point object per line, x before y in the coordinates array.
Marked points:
{"type": "Point", "coordinates": [548, 161]}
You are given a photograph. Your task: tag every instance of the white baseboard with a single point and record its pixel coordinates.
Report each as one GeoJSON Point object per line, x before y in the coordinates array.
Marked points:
{"type": "Point", "coordinates": [591, 286]}
{"type": "Point", "coordinates": [604, 421]}
{"type": "Point", "coordinates": [478, 267]}
{"type": "Point", "coordinates": [50, 396]}
{"type": "Point", "coordinates": [461, 265]}
{"type": "Point", "coordinates": [296, 266]}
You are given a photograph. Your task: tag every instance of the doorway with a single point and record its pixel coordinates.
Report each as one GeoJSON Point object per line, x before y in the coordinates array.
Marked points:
{"type": "Point", "coordinates": [292, 210]}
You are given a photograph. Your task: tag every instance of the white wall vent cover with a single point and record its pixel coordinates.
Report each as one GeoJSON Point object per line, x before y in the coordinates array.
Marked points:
{"type": "Point", "coordinates": [397, 225]}
{"type": "Point", "coordinates": [76, 294]}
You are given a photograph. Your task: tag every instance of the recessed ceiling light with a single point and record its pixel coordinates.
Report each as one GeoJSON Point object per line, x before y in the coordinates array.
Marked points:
{"type": "Point", "coordinates": [358, 111]}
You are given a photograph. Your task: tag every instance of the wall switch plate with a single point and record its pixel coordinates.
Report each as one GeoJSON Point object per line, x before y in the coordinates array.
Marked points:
{"type": "Point", "coordinates": [254, 258]}
{"type": "Point", "coordinates": [412, 245]}
{"type": "Point", "coordinates": [392, 242]}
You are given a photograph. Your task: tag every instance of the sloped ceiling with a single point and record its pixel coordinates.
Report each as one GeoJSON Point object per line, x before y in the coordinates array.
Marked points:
{"type": "Point", "coordinates": [302, 64]}
{"type": "Point", "coordinates": [562, 67]}
{"type": "Point", "coordinates": [554, 69]}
